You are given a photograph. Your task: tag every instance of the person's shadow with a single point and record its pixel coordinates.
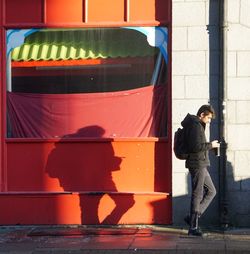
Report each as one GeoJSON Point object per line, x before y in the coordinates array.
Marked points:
{"type": "Point", "coordinates": [86, 167]}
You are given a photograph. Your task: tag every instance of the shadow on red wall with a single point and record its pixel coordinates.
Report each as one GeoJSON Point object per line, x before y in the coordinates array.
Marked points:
{"type": "Point", "coordinates": [89, 170]}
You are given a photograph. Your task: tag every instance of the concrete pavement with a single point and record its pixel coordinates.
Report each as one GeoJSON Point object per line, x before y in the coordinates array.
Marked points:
{"type": "Point", "coordinates": [119, 240]}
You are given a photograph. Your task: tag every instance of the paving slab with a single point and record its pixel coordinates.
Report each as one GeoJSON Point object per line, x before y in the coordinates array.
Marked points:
{"type": "Point", "coordinates": [120, 240]}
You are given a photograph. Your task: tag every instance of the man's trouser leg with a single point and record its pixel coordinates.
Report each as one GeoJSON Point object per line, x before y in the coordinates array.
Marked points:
{"type": "Point", "coordinates": [200, 179]}
{"type": "Point", "coordinates": [209, 194]}
{"type": "Point", "coordinates": [203, 190]}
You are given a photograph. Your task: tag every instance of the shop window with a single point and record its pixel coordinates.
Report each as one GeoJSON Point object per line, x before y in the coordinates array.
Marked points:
{"type": "Point", "coordinates": [62, 82]}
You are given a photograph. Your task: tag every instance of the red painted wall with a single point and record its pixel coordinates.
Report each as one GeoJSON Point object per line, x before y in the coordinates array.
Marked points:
{"type": "Point", "coordinates": [2, 102]}
{"type": "Point", "coordinates": [87, 12]}
{"type": "Point", "coordinates": [84, 181]}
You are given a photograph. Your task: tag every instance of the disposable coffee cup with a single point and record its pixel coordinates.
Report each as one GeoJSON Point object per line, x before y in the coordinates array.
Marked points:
{"type": "Point", "coordinates": [217, 151]}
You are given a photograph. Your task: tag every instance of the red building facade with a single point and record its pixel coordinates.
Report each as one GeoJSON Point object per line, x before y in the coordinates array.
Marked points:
{"type": "Point", "coordinates": [85, 112]}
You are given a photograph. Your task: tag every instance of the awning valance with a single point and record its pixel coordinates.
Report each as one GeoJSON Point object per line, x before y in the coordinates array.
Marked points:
{"type": "Point", "coordinates": [73, 44]}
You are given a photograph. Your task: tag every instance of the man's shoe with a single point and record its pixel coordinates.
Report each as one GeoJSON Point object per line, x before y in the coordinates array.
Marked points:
{"type": "Point", "coordinates": [195, 232]}
{"type": "Point", "coordinates": [187, 219]}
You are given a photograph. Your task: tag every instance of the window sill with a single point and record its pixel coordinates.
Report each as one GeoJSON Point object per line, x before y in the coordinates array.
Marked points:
{"type": "Point", "coordinates": [85, 140]}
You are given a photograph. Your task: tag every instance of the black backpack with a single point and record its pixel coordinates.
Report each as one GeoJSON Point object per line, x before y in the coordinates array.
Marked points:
{"type": "Point", "coordinates": [180, 147]}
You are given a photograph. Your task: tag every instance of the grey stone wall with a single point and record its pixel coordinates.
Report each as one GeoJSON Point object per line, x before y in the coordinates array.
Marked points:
{"type": "Point", "coordinates": [195, 81]}
{"type": "Point", "coordinates": [238, 111]}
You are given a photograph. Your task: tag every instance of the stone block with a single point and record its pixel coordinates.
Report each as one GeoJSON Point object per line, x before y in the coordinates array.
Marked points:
{"type": "Point", "coordinates": [180, 184]}
{"type": "Point", "coordinates": [239, 202]}
{"type": "Point", "coordinates": [230, 163]}
{"type": "Point", "coordinates": [238, 88]}
{"type": "Point", "coordinates": [178, 87]}
{"type": "Point", "coordinates": [179, 111]}
{"type": "Point", "coordinates": [238, 137]}
{"type": "Point", "coordinates": [189, 63]}
{"type": "Point", "coordinates": [231, 112]}
{"type": "Point", "coordinates": [178, 165]}
{"type": "Point", "coordinates": [198, 38]}
{"type": "Point", "coordinates": [243, 63]}
{"type": "Point", "coordinates": [189, 14]}
{"type": "Point", "coordinates": [239, 207]}
{"type": "Point", "coordinates": [231, 64]}
{"type": "Point", "coordinates": [179, 38]}
{"type": "Point", "coordinates": [238, 37]}
{"type": "Point", "coordinates": [180, 108]}
{"type": "Point", "coordinates": [197, 87]}
{"type": "Point", "coordinates": [233, 7]}
{"type": "Point", "coordinates": [242, 159]}
{"type": "Point", "coordinates": [244, 12]}
{"type": "Point", "coordinates": [242, 220]}
{"type": "Point", "coordinates": [233, 184]}
{"type": "Point", "coordinates": [243, 112]}
{"type": "Point", "coordinates": [245, 184]}
{"type": "Point", "coordinates": [181, 207]}
{"type": "Point", "coordinates": [230, 166]}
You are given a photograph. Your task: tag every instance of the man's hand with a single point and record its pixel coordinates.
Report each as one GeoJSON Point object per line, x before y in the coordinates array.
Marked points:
{"type": "Point", "coordinates": [215, 144]}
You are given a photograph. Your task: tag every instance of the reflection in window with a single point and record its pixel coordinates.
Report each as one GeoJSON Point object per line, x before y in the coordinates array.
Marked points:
{"type": "Point", "coordinates": [65, 79]}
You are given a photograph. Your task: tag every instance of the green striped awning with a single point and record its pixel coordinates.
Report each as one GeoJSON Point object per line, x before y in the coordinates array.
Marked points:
{"type": "Point", "coordinates": [72, 44]}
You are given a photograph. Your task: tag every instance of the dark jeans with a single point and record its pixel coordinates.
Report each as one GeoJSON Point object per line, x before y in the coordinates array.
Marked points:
{"type": "Point", "coordinates": [203, 190]}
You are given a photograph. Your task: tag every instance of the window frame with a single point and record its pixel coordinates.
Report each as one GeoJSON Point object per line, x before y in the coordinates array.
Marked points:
{"type": "Point", "coordinates": [99, 139]}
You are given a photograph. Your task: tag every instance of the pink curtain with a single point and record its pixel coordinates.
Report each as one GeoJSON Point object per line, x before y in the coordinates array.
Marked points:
{"type": "Point", "coordinates": [133, 113]}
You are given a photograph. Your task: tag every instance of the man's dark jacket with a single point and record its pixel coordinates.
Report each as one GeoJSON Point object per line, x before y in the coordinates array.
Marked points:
{"type": "Point", "coordinates": [197, 144]}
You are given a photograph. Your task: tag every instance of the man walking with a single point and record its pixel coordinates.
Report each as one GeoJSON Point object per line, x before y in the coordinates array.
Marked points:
{"type": "Point", "coordinates": [203, 190]}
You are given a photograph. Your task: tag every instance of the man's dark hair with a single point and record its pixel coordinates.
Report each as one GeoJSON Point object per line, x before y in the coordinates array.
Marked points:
{"type": "Point", "coordinates": [206, 109]}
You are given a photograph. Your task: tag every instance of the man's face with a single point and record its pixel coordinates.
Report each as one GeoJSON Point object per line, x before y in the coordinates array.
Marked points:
{"type": "Point", "coordinates": [206, 118]}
